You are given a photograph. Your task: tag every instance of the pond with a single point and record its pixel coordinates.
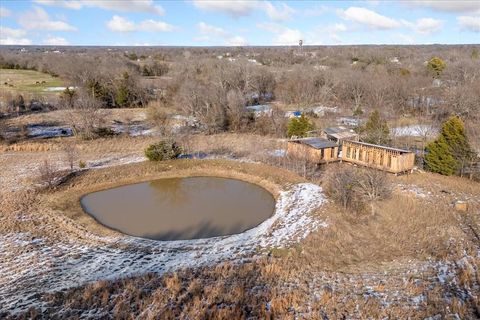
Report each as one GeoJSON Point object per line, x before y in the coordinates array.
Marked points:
{"type": "Point", "coordinates": [181, 208]}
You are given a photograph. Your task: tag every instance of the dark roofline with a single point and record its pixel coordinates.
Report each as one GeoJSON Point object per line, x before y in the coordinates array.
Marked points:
{"type": "Point", "coordinates": [378, 146]}
{"type": "Point", "coordinates": [316, 143]}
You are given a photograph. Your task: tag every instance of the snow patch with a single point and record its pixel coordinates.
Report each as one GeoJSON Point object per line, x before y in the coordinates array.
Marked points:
{"type": "Point", "coordinates": [416, 130]}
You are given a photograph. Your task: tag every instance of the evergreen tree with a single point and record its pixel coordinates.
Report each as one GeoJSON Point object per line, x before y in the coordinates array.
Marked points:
{"type": "Point", "coordinates": [376, 130]}
{"type": "Point", "coordinates": [299, 127]}
{"type": "Point", "coordinates": [451, 152]}
{"type": "Point", "coordinates": [439, 158]}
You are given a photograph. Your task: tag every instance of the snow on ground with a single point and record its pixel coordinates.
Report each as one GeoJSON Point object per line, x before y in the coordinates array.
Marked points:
{"type": "Point", "coordinates": [73, 263]}
{"type": "Point", "coordinates": [42, 132]}
{"type": "Point", "coordinates": [58, 89]}
{"type": "Point", "coordinates": [416, 130]}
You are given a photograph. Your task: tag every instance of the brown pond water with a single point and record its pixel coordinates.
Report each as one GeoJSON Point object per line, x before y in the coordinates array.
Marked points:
{"type": "Point", "coordinates": [181, 208]}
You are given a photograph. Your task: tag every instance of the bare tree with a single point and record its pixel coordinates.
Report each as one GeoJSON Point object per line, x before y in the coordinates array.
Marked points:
{"type": "Point", "coordinates": [70, 150]}
{"type": "Point", "coordinates": [48, 175]}
{"type": "Point", "coordinates": [373, 185]}
{"type": "Point", "coordinates": [86, 117]}
{"type": "Point", "coordinates": [341, 184]}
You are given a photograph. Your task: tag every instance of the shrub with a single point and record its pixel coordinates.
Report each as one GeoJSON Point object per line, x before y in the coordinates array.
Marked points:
{"type": "Point", "coordinates": [48, 175]}
{"type": "Point", "coordinates": [451, 152]}
{"type": "Point", "coordinates": [352, 188]}
{"type": "Point", "coordinates": [163, 150]}
{"type": "Point", "coordinates": [299, 127]}
{"type": "Point", "coordinates": [436, 66]}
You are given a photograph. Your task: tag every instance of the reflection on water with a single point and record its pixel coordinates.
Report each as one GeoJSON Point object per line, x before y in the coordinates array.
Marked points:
{"type": "Point", "coordinates": [181, 208]}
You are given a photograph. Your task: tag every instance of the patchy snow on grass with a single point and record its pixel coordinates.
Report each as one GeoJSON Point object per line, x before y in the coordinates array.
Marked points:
{"type": "Point", "coordinates": [416, 130]}
{"type": "Point", "coordinates": [42, 132]}
{"type": "Point", "coordinates": [115, 161]}
{"type": "Point", "coordinates": [32, 266]}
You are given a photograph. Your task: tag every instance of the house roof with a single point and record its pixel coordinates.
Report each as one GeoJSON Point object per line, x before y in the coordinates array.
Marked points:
{"type": "Point", "coordinates": [259, 108]}
{"type": "Point", "coordinates": [344, 135]}
{"type": "Point", "coordinates": [316, 143]}
{"type": "Point", "coordinates": [333, 130]}
{"type": "Point", "coordinates": [379, 146]}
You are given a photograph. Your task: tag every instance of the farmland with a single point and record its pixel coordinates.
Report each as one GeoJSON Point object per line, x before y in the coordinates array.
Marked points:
{"type": "Point", "coordinates": [28, 82]}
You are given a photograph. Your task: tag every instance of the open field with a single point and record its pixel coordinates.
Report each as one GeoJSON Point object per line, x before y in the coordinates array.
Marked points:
{"type": "Point", "coordinates": [400, 262]}
{"type": "Point", "coordinates": [343, 242]}
{"type": "Point", "coordinates": [28, 82]}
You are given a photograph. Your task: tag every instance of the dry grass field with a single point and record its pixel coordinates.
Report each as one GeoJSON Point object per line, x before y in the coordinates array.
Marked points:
{"type": "Point", "coordinates": [28, 82]}
{"type": "Point", "coordinates": [415, 257]}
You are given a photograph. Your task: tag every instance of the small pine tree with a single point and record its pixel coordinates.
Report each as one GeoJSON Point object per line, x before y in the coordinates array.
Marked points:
{"type": "Point", "coordinates": [436, 66]}
{"type": "Point", "coordinates": [439, 157]}
{"type": "Point", "coordinates": [451, 152]}
{"type": "Point", "coordinates": [163, 150]}
{"type": "Point", "coordinates": [299, 127]}
{"type": "Point", "coordinates": [376, 129]}
{"type": "Point", "coordinates": [357, 112]}
{"type": "Point", "coordinates": [475, 54]}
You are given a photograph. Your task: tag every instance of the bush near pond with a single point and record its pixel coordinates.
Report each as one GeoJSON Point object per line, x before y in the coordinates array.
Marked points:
{"type": "Point", "coordinates": [163, 150]}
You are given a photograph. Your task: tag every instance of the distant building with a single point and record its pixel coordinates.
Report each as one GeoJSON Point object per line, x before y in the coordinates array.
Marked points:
{"type": "Point", "coordinates": [320, 110]}
{"type": "Point", "coordinates": [293, 114]}
{"type": "Point", "coordinates": [315, 150]}
{"type": "Point", "coordinates": [260, 110]}
{"type": "Point", "coordinates": [349, 121]}
{"type": "Point", "coordinates": [339, 134]}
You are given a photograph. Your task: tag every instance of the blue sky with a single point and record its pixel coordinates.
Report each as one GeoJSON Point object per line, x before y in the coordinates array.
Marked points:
{"type": "Point", "coordinates": [207, 23]}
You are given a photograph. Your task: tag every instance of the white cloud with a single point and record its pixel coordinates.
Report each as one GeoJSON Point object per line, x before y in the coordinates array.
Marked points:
{"type": "Point", "coordinates": [283, 13]}
{"type": "Point", "coordinates": [4, 12]}
{"type": "Point", "coordinates": [369, 18]}
{"type": "Point", "coordinates": [207, 29]}
{"type": "Point", "coordinates": [468, 6]}
{"type": "Point", "coordinates": [284, 35]}
{"type": "Point", "coordinates": [338, 27]}
{"type": "Point", "coordinates": [14, 41]}
{"type": "Point", "coordinates": [428, 25]}
{"type": "Point", "coordinates": [38, 19]}
{"type": "Point", "coordinates": [155, 26]}
{"type": "Point", "coordinates": [9, 36]}
{"type": "Point", "coordinates": [424, 25]}
{"type": "Point", "coordinates": [236, 41]}
{"type": "Point", "coordinates": [289, 37]}
{"type": "Point", "coordinates": [13, 33]}
{"type": "Point", "coordinates": [404, 38]}
{"type": "Point", "coordinates": [315, 11]}
{"type": "Point", "coordinates": [241, 8]}
{"type": "Point", "coordinates": [120, 24]}
{"type": "Point", "coordinates": [146, 6]}
{"type": "Point", "coordinates": [234, 9]}
{"type": "Point", "coordinates": [55, 41]}
{"type": "Point", "coordinates": [469, 23]}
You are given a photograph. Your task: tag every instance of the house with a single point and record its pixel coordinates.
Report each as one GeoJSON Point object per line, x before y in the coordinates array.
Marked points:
{"type": "Point", "coordinates": [350, 121]}
{"type": "Point", "coordinates": [320, 110]}
{"type": "Point", "coordinates": [339, 134]}
{"type": "Point", "coordinates": [315, 150]}
{"type": "Point", "coordinates": [293, 114]}
{"type": "Point", "coordinates": [260, 110]}
{"type": "Point", "coordinates": [378, 157]}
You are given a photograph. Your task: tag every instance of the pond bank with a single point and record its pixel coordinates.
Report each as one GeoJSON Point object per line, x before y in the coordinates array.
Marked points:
{"type": "Point", "coordinates": [69, 250]}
